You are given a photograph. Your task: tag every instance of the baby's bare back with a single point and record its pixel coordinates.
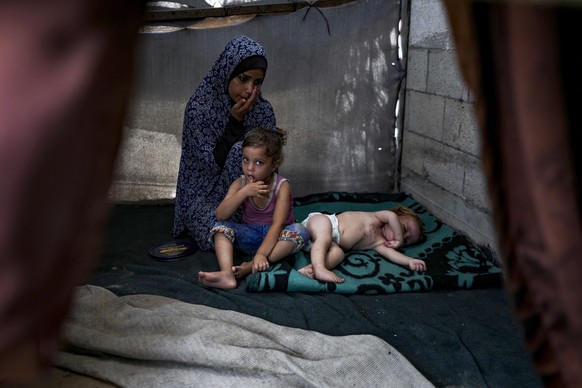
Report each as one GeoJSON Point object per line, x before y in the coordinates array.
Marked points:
{"type": "Point", "coordinates": [360, 230]}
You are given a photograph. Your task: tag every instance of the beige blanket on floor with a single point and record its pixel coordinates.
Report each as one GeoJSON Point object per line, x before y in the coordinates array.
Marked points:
{"type": "Point", "coordinates": [153, 341]}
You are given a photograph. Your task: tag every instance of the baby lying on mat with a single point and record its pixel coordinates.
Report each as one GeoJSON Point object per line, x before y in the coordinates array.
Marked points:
{"type": "Point", "coordinates": [383, 231]}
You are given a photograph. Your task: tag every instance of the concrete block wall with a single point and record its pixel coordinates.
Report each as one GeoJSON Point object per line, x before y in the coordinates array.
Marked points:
{"type": "Point", "coordinates": [441, 165]}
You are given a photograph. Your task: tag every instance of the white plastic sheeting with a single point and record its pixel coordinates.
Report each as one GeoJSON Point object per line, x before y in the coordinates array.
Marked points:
{"type": "Point", "coordinates": [334, 90]}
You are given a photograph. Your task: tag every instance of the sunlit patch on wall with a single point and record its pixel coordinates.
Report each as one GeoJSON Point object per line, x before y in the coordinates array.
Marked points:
{"type": "Point", "coordinates": [220, 22]}
{"type": "Point", "coordinates": [161, 27]}
{"type": "Point", "coordinates": [225, 3]}
{"type": "Point", "coordinates": [164, 5]}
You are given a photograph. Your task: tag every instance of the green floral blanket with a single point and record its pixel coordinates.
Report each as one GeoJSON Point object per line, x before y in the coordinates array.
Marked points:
{"type": "Point", "coordinates": [453, 261]}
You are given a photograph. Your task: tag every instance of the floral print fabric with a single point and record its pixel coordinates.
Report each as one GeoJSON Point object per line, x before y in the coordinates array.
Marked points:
{"type": "Point", "coordinates": [202, 184]}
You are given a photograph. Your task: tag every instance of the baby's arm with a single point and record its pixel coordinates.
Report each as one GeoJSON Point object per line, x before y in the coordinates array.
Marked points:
{"type": "Point", "coordinates": [400, 258]}
{"type": "Point", "coordinates": [392, 219]}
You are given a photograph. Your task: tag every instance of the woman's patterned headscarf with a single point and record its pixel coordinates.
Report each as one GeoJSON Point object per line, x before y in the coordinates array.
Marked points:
{"type": "Point", "coordinates": [201, 183]}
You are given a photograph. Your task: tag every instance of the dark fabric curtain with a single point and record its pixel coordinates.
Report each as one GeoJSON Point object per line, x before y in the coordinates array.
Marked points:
{"type": "Point", "coordinates": [519, 59]}
{"type": "Point", "coordinates": [65, 69]}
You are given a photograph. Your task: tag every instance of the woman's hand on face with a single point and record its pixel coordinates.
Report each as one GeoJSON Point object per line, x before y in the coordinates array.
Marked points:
{"type": "Point", "coordinates": [243, 106]}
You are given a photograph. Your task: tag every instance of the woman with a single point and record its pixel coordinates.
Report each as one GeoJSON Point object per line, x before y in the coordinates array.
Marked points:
{"type": "Point", "coordinates": [223, 108]}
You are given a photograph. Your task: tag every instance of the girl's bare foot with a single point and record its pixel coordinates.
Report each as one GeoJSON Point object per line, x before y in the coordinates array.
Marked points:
{"type": "Point", "coordinates": [325, 275]}
{"type": "Point", "coordinates": [218, 279]}
{"type": "Point", "coordinates": [307, 271]}
{"type": "Point", "coordinates": [240, 271]}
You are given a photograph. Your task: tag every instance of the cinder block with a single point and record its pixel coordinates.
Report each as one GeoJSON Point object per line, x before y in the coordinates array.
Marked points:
{"type": "Point", "coordinates": [475, 188]}
{"type": "Point", "coordinates": [444, 166]}
{"type": "Point", "coordinates": [413, 149]}
{"type": "Point", "coordinates": [429, 25]}
{"type": "Point", "coordinates": [424, 114]}
{"type": "Point", "coordinates": [460, 129]}
{"type": "Point", "coordinates": [417, 70]}
{"type": "Point", "coordinates": [444, 77]}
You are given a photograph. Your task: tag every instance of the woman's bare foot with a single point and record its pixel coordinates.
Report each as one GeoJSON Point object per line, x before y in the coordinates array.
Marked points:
{"type": "Point", "coordinates": [325, 275]}
{"type": "Point", "coordinates": [307, 271]}
{"type": "Point", "coordinates": [218, 279]}
{"type": "Point", "coordinates": [240, 271]}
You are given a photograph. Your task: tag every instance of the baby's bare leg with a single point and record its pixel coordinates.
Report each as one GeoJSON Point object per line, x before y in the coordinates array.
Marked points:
{"type": "Point", "coordinates": [307, 271]}
{"type": "Point", "coordinates": [335, 255]}
{"type": "Point", "coordinates": [224, 254]}
{"type": "Point", "coordinates": [320, 230]}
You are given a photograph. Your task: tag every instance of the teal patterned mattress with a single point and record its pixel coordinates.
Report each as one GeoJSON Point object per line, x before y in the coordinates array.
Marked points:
{"type": "Point", "coordinates": [453, 260]}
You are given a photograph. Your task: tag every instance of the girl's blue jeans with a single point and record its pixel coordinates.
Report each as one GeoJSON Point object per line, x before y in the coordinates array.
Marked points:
{"type": "Point", "coordinates": [248, 238]}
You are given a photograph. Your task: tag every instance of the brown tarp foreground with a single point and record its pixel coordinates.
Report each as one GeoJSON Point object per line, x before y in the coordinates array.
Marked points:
{"type": "Point", "coordinates": [514, 56]}
{"type": "Point", "coordinates": [64, 82]}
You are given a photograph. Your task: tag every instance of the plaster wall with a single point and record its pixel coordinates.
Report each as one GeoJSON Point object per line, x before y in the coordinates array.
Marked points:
{"type": "Point", "coordinates": [440, 162]}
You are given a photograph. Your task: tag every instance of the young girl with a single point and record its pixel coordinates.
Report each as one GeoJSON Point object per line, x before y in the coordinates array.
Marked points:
{"type": "Point", "coordinates": [269, 231]}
